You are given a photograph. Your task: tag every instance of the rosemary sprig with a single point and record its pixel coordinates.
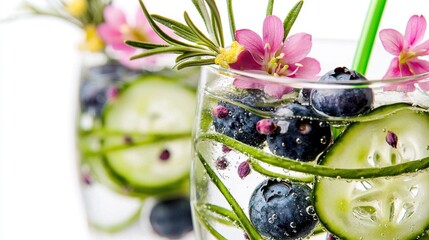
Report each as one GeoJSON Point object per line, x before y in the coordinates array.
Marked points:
{"type": "Point", "coordinates": [197, 48]}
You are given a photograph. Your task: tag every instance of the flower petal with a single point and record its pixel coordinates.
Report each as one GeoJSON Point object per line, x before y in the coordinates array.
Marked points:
{"type": "Point", "coordinates": [393, 70]}
{"type": "Point", "coordinates": [422, 49]}
{"type": "Point", "coordinates": [418, 66]}
{"type": "Point", "coordinates": [140, 20]}
{"type": "Point", "coordinates": [111, 36]}
{"type": "Point", "coordinates": [276, 90]}
{"type": "Point", "coordinates": [408, 86]}
{"type": "Point", "coordinates": [296, 48]}
{"type": "Point", "coordinates": [245, 61]}
{"type": "Point", "coordinates": [251, 42]}
{"type": "Point", "coordinates": [273, 33]}
{"type": "Point", "coordinates": [114, 16]}
{"type": "Point", "coordinates": [392, 41]}
{"type": "Point", "coordinates": [415, 30]}
{"type": "Point", "coordinates": [247, 83]}
{"type": "Point", "coordinates": [405, 70]}
{"type": "Point", "coordinates": [309, 70]}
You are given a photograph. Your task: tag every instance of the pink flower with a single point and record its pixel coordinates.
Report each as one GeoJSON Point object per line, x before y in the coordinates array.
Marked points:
{"type": "Point", "coordinates": [407, 50]}
{"type": "Point", "coordinates": [270, 55]}
{"type": "Point", "coordinates": [116, 29]}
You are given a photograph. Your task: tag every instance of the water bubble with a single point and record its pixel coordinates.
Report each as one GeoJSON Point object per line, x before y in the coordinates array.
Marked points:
{"type": "Point", "coordinates": [292, 224]}
{"type": "Point", "coordinates": [298, 141]}
{"type": "Point", "coordinates": [310, 210]}
{"type": "Point", "coordinates": [272, 219]}
{"type": "Point", "coordinates": [323, 140]}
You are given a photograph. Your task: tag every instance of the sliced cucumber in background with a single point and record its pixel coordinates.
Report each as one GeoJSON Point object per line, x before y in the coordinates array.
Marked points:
{"type": "Point", "coordinates": [151, 105]}
{"type": "Point", "coordinates": [382, 208]}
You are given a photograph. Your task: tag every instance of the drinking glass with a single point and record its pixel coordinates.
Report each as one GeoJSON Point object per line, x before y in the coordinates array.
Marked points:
{"type": "Point", "coordinates": [134, 139]}
{"type": "Point", "coordinates": [331, 159]}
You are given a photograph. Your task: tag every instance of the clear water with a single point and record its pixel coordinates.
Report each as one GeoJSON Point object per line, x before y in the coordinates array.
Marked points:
{"type": "Point", "coordinates": [382, 203]}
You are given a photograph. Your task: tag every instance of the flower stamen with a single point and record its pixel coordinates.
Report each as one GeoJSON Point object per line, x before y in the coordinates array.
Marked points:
{"type": "Point", "coordinates": [228, 56]}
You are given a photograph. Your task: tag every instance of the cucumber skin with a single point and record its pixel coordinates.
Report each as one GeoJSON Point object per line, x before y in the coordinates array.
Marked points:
{"type": "Point", "coordinates": [327, 158]}
{"type": "Point", "coordinates": [175, 186]}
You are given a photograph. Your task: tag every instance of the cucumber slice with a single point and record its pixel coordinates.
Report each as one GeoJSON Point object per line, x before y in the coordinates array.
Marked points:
{"type": "Point", "coordinates": [380, 208]}
{"type": "Point", "coordinates": [151, 105]}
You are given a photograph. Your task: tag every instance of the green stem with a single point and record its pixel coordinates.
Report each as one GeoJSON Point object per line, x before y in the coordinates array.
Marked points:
{"type": "Point", "coordinates": [231, 19]}
{"type": "Point", "coordinates": [258, 168]}
{"type": "Point", "coordinates": [376, 114]}
{"type": "Point", "coordinates": [122, 225]}
{"type": "Point", "coordinates": [318, 170]}
{"type": "Point", "coordinates": [222, 215]}
{"type": "Point", "coordinates": [103, 132]}
{"type": "Point", "coordinates": [209, 227]}
{"type": "Point", "coordinates": [244, 221]}
{"type": "Point", "coordinates": [270, 7]}
{"type": "Point", "coordinates": [124, 146]}
{"type": "Point", "coordinates": [367, 37]}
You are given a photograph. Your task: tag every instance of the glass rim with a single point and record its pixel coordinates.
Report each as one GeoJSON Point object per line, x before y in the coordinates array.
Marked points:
{"type": "Point", "coordinates": [313, 83]}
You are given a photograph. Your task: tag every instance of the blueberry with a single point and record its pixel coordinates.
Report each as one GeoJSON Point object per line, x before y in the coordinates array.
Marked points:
{"type": "Point", "coordinates": [299, 135]}
{"type": "Point", "coordinates": [238, 123]}
{"type": "Point", "coordinates": [172, 218]}
{"type": "Point", "coordinates": [342, 102]}
{"type": "Point", "coordinates": [304, 96]}
{"type": "Point", "coordinates": [282, 210]}
{"type": "Point", "coordinates": [97, 81]}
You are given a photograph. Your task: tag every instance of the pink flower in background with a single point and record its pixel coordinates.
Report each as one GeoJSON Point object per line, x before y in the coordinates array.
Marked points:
{"type": "Point", "coordinates": [116, 29]}
{"type": "Point", "coordinates": [407, 50]}
{"type": "Point", "coordinates": [270, 55]}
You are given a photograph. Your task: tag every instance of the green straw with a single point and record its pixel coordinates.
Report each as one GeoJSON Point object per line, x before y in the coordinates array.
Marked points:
{"type": "Point", "coordinates": [367, 37]}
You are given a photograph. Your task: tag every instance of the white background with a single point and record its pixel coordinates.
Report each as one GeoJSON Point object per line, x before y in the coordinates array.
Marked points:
{"type": "Point", "coordinates": [39, 195]}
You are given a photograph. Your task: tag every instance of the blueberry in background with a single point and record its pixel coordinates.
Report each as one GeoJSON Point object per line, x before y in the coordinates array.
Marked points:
{"type": "Point", "coordinates": [342, 102]}
{"type": "Point", "coordinates": [299, 138]}
{"type": "Point", "coordinates": [282, 210]}
{"type": "Point", "coordinates": [238, 123]}
{"type": "Point", "coordinates": [96, 81]}
{"type": "Point", "coordinates": [172, 218]}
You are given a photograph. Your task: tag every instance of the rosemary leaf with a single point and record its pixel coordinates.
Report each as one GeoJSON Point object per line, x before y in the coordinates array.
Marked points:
{"type": "Point", "coordinates": [179, 29]}
{"type": "Point", "coordinates": [231, 19]}
{"type": "Point", "coordinates": [158, 31]}
{"type": "Point", "coordinates": [202, 9]}
{"type": "Point", "coordinates": [205, 40]}
{"type": "Point", "coordinates": [144, 45]}
{"type": "Point", "coordinates": [194, 63]}
{"type": "Point", "coordinates": [169, 49]}
{"type": "Point", "coordinates": [217, 26]}
{"type": "Point", "coordinates": [188, 55]}
{"type": "Point", "coordinates": [291, 17]}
